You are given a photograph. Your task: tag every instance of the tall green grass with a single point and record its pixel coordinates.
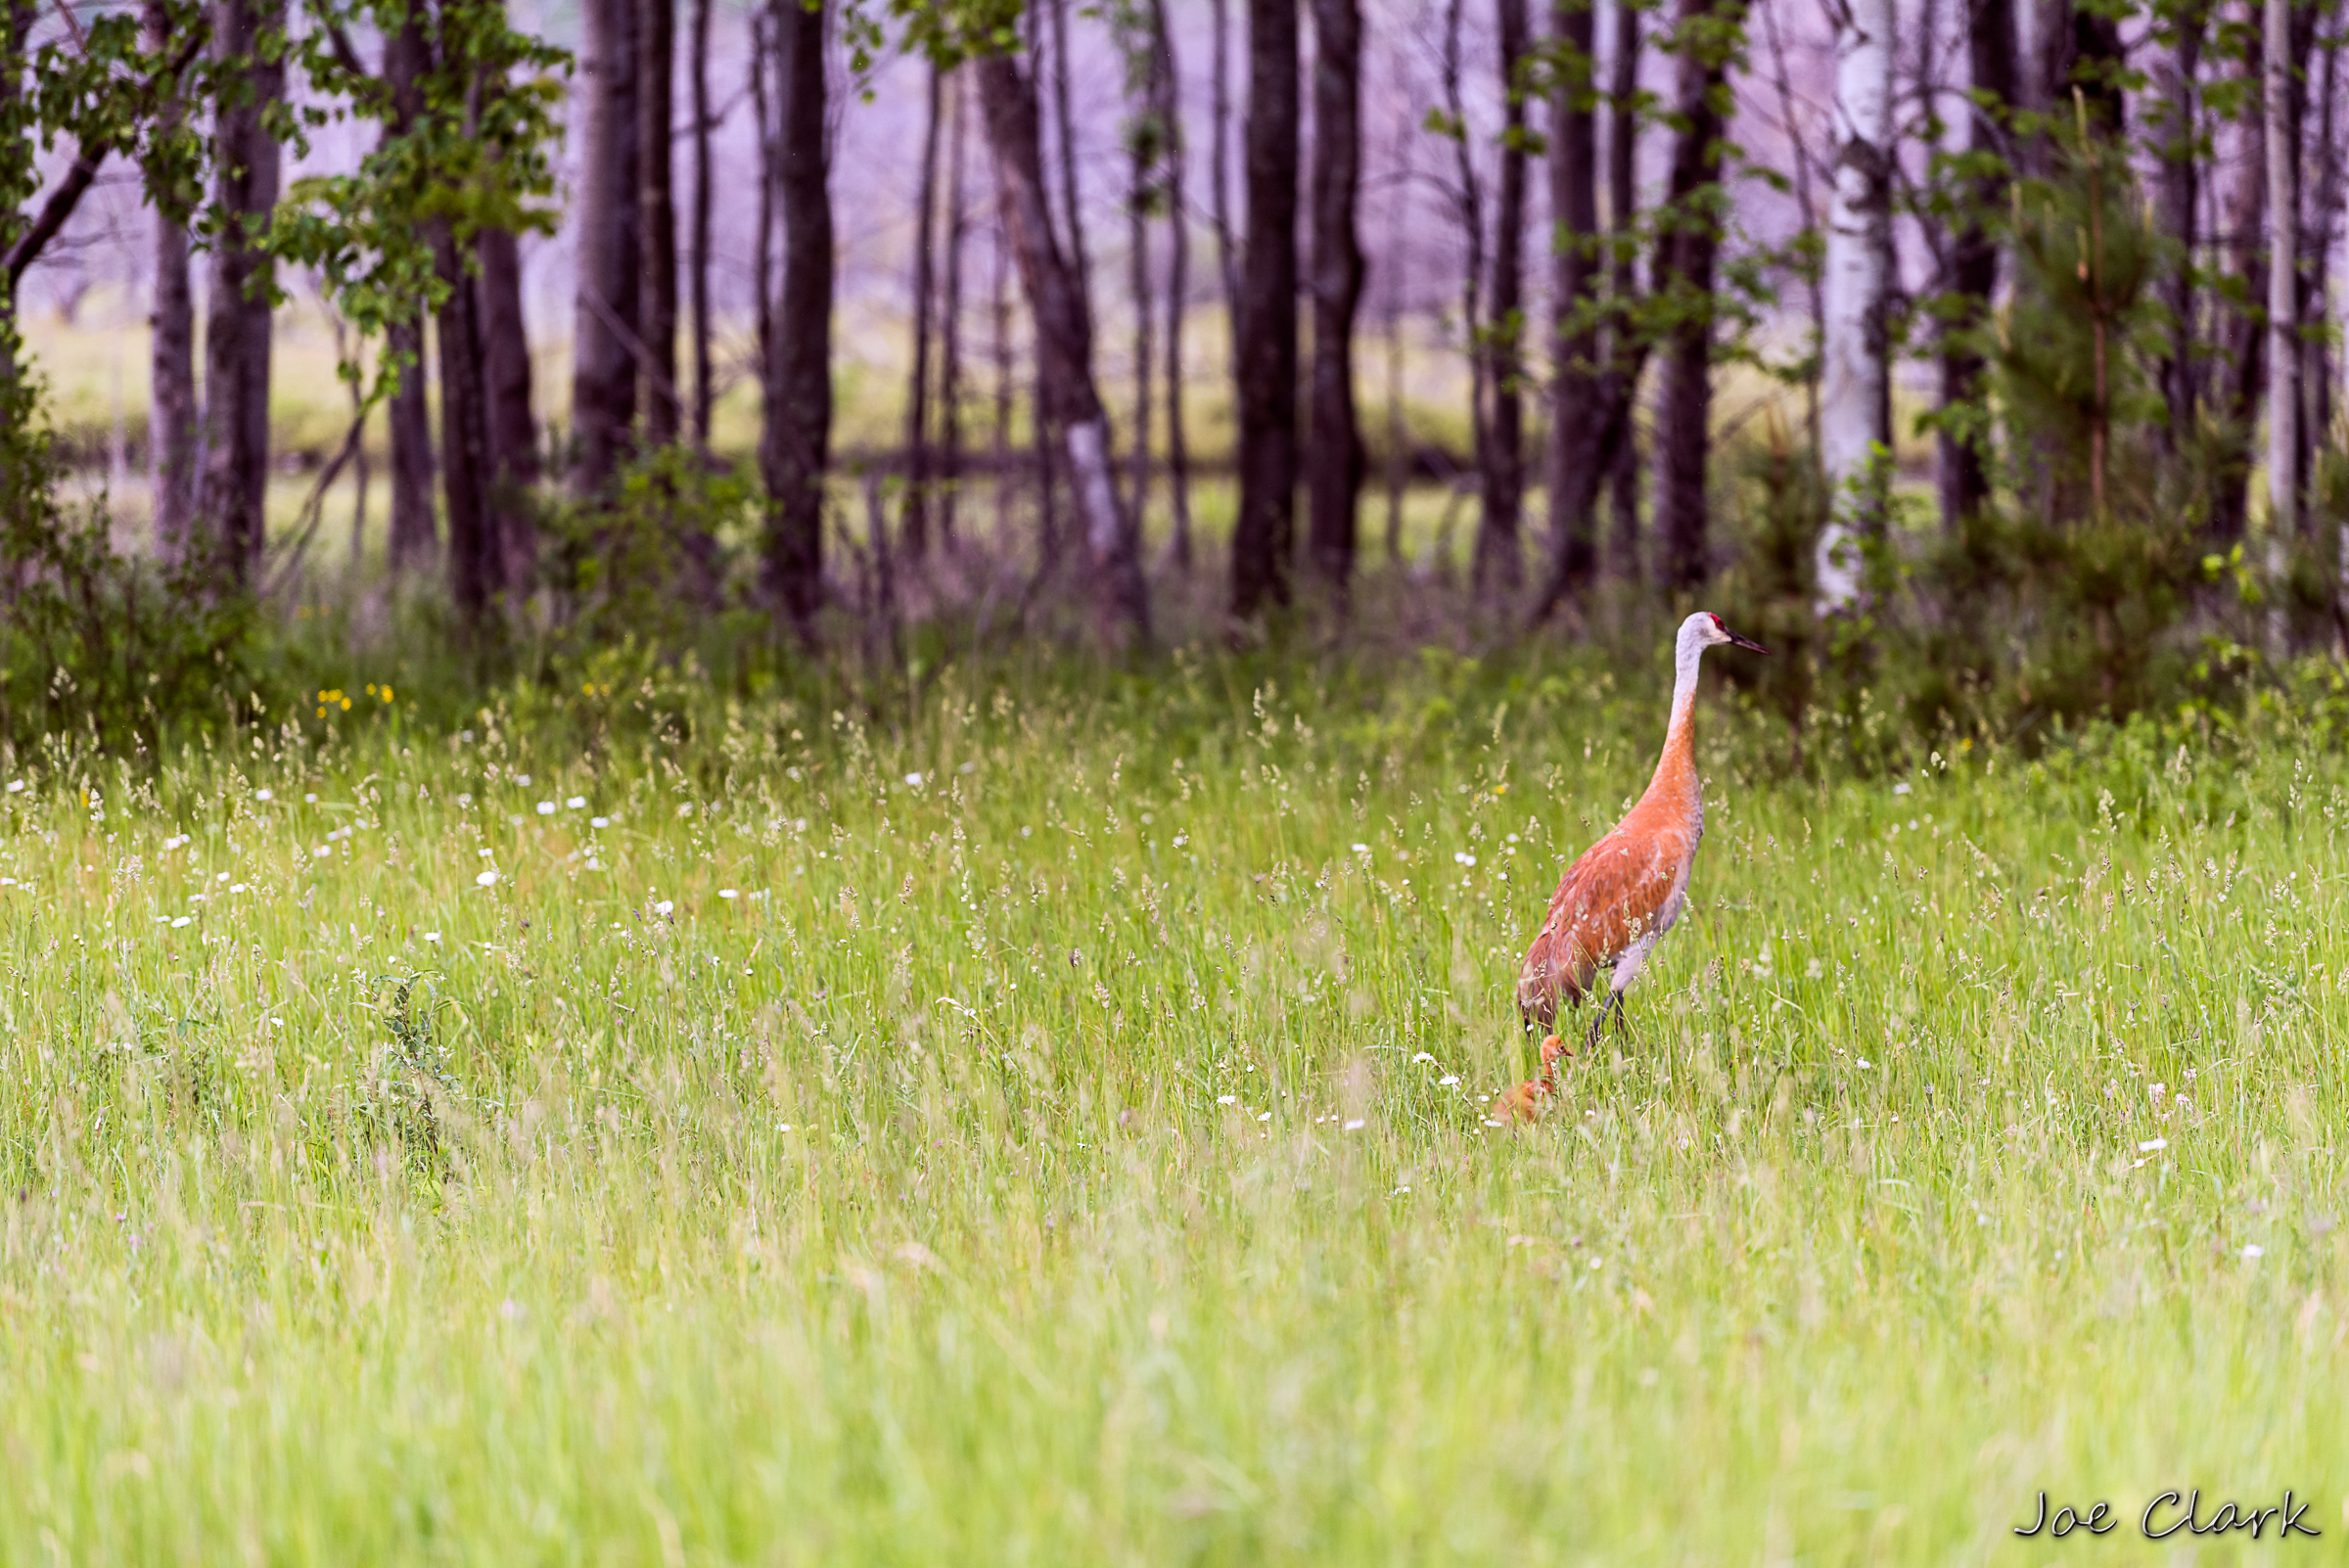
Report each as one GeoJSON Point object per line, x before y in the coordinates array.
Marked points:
{"type": "Point", "coordinates": [1047, 1124]}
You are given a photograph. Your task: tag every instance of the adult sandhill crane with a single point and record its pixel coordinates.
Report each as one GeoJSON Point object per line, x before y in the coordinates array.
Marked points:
{"type": "Point", "coordinates": [1615, 903]}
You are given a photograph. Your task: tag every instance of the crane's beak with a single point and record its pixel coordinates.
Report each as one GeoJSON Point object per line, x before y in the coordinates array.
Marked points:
{"type": "Point", "coordinates": [1747, 643]}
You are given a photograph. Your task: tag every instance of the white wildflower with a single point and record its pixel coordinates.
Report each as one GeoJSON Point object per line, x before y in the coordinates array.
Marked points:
{"type": "Point", "coordinates": [488, 879]}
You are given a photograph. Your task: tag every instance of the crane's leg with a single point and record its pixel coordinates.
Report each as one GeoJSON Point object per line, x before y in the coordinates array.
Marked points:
{"type": "Point", "coordinates": [1598, 1017]}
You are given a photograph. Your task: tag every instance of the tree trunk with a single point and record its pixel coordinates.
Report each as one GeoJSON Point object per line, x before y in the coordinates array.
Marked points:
{"type": "Point", "coordinates": [605, 341]}
{"type": "Point", "coordinates": [2283, 237]}
{"type": "Point", "coordinates": [655, 101]}
{"type": "Point", "coordinates": [1783, 81]}
{"type": "Point", "coordinates": [795, 448]}
{"type": "Point", "coordinates": [1220, 174]}
{"type": "Point", "coordinates": [1064, 347]}
{"type": "Point", "coordinates": [236, 385]}
{"type": "Point", "coordinates": [1964, 476]}
{"type": "Point", "coordinates": [1593, 435]}
{"type": "Point", "coordinates": [1261, 537]}
{"type": "Point", "coordinates": [2177, 186]}
{"type": "Point", "coordinates": [2242, 351]}
{"type": "Point", "coordinates": [171, 399]}
{"type": "Point", "coordinates": [1399, 201]}
{"type": "Point", "coordinates": [770, 166]}
{"type": "Point", "coordinates": [414, 538]}
{"type": "Point", "coordinates": [2306, 310]}
{"type": "Point", "coordinates": [1500, 558]}
{"type": "Point", "coordinates": [999, 320]}
{"type": "Point", "coordinates": [914, 526]}
{"type": "Point", "coordinates": [1178, 282]}
{"type": "Point", "coordinates": [1470, 207]}
{"type": "Point", "coordinates": [512, 431]}
{"type": "Point", "coordinates": [2316, 299]}
{"type": "Point", "coordinates": [699, 285]}
{"type": "Point", "coordinates": [1064, 126]}
{"type": "Point", "coordinates": [476, 552]}
{"type": "Point", "coordinates": [1623, 216]}
{"type": "Point", "coordinates": [1574, 471]}
{"type": "Point", "coordinates": [1334, 469]}
{"type": "Point", "coordinates": [1855, 405]}
{"type": "Point", "coordinates": [1685, 277]}
{"type": "Point", "coordinates": [1145, 139]}
{"type": "Point", "coordinates": [2098, 65]}
{"type": "Point", "coordinates": [415, 535]}
{"type": "Point", "coordinates": [950, 321]}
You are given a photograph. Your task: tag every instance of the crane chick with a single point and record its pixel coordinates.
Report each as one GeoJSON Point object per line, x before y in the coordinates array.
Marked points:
{"type": "Point", "coordinates": [1615, 903]}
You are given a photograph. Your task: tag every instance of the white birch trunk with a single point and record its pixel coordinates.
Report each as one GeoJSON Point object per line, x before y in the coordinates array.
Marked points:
{"type": "Point", "coordinates": [1855, 408]}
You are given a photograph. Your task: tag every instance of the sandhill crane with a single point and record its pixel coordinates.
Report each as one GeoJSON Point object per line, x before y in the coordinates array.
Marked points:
{"type": "Point", "coordinates": [1615, 903]}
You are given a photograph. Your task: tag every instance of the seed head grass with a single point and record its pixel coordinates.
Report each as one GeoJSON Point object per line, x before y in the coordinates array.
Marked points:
{"type": "Point", "coordinates": [1049, 1125]}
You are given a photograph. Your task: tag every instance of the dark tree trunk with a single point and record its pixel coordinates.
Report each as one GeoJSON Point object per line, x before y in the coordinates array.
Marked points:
{"type": "Point", "coordinates": [2098, 65]}
{"type": "Point", "coordinates": [415, 535]}
{"type": "Point", "coordinates": [1064, 349]}
{"type": "Point", "coordinates": [512, 431]}
{"type": "Point", "coordinates": [2243, 347]}
{"type": "Point", "coordinates": [949, 323]}
{"type": "Point", "coordinates": [698, 285]}
{"type": "Point", "coordinates": [1334, 470]}
{"type": "Point", "coordinates": [1685, 277]}
{"type": "Point", "coordinates": [1594, 438]}
{"type": "Point", "coordinates": [1499, 556]}
{"type": "Point", "coordinates": [476, 552]}
{"type": "Point", "coordinates": [2305, 307]}
{"type": "Point", "coordinates": [2178, 191]}
{"type": "Point", "coordinates": [414, 539]}
{"type": "Point", "coordinates": [235, 383]}
{"type": "Point", "coordinates": [1262, 538]}
{"type": "Point", "coordinates": [506, 361]}
{"type": "Point", "coordinates": [1178, 282]}
{"type": "Point", "coordinates": [1623, 212]}
{"type": "Point", "coordinates": [1144, 144]}
{"type": "Point", "coordinates": [1964, 476]}
{"type": "Point", "coordinates": [914, 530]}
{"type": "Point", "coordinates": [606, 342]}
{"type": "Point", "coordinates": [655, 101]}
{"type": "Point", "coordinates": [795, 448]}
{"type": "Point", "coordinates": [2323, 228]}
{"type": "Point", "coordinates": [1574, 468]}
{"type": "Point", "coordinates": [171, 398]}
{"type": "Point", "coordinates": [771, 164]}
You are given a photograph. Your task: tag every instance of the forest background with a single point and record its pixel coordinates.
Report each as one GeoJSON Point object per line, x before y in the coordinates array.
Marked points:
{"type": "Point", "coordinates": [1980, 358]}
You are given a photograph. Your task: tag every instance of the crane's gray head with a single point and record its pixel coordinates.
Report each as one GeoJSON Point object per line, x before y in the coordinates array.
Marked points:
{"type": "Point", "coordinates": [1705, 629]}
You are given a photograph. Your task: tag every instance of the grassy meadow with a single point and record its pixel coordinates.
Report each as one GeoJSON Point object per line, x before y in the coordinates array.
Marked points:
{"type": "Point", "coordinates": [1044, 1122]}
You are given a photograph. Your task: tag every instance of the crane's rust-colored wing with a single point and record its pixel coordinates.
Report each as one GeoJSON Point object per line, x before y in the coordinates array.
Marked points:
{"type": "Point", "coordinates": [1606, 901]}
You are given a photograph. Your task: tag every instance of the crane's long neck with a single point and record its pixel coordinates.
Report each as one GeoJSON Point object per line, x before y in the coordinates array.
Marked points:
{"type": "Point", "coordinates": [1678, 764]}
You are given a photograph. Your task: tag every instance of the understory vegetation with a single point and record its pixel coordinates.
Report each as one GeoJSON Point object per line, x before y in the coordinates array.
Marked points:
{"type": "Point", "coordinates": [1042, 1118]}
